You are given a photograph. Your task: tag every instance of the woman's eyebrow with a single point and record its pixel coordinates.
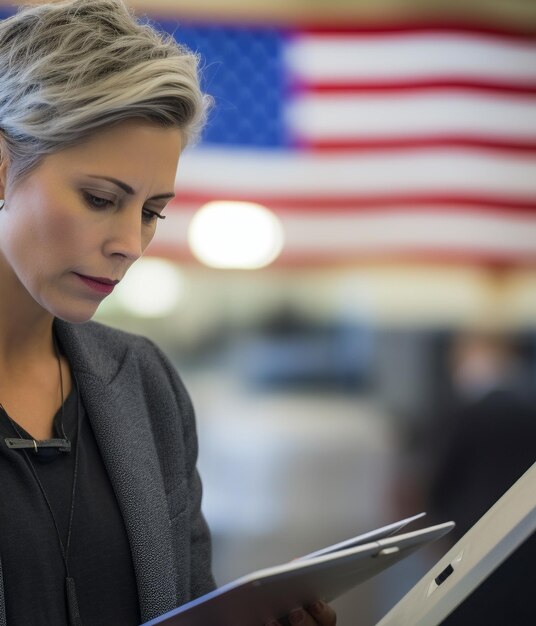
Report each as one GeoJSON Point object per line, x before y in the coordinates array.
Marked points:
{"type": "Point", "coordinates": [128, 189]}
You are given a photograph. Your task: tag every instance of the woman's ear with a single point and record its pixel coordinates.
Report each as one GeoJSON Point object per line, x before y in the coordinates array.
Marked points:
{"type": "Point", "coordinates": [3, 177]}
{"type": "Point", "coordinates": [4, 164]}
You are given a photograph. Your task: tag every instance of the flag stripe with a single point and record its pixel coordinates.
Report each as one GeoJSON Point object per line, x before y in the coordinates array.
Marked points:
{"type": "Point", "coordinates": [493, 144]}
{"type": "Point", "coordinates": [391, 255]}
{"type": "Point", "coordinates": [408, 56]}
{"type": "Point", "coordinates": [329, 176]}
{"type": "Point", "coordinates": [413, 233]}
{"type": "Point", "coordinates": [321, 116]}
{"type": "Point", "coordinates": [428, 83]}
{"type": "Point", "coordinates": [290, 259]}
{"type": "Point", "coordinates": [384, 28]}
{"type": "Point", "coordinates": [358, 204]}
{"type": "Point", "coordinates": [413, 230]}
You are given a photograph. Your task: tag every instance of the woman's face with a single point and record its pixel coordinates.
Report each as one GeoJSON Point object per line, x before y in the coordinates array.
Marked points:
{"type": "Point", "coordinates": [68, 223]}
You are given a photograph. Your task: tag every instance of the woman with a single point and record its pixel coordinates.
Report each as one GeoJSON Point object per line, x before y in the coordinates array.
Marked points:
{"type": "Point", "coordinates": [100, 518]}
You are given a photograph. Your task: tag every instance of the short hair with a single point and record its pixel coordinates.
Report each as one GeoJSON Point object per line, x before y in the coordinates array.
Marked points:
{"type": "Point", "coordinates": [70, 68]}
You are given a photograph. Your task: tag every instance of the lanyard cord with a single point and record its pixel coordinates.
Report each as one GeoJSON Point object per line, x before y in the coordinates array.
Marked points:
{"type": "Point", "coordinates": [64, 549]}
{"type": "Point", "coordinates": [72, 600]}
{"type": "Point", "coordinates": [70, 587]}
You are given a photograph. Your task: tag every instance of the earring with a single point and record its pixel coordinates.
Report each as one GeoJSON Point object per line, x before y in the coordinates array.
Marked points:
{"type": "Point", "coordinates": [2, 202]}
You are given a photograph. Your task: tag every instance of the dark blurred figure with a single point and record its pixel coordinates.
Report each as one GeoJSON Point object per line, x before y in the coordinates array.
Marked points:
{"type": "Point", "coordinates": [488, 442]}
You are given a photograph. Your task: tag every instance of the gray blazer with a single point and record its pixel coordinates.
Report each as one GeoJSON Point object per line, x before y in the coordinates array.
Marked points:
{"type": "Point", "coordinates": [145, 428]}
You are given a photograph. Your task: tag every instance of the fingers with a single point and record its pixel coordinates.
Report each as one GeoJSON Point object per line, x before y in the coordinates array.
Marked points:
{"type": "Point", "coordinates": [322, 613]}
{"type": "Point", "coordinates": [317, 614]}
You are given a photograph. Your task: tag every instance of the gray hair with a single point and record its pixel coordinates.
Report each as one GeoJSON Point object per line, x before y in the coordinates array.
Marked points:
{"type": "Point", "coordinates": [70, 68]}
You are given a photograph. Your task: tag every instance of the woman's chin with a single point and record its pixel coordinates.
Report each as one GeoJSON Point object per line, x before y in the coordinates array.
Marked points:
{"type": "Point", "coordinates": [74, 315]}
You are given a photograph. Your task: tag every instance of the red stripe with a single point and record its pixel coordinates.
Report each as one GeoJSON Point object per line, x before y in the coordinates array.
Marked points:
{"type": "Point", "coordinates": [444, 27]}
{"type": "Point", "coordinates": [387, 256]}
{"type": "Point", "coordinates": [345, 87]}
{"type": "Point", "coordinates": [348, 204]}
{"type": "Point", "coordinates": [354, 144]}
{"type": "Point", "coordinates": [350, 24]}
{"type": "Point", "coordinates": [415, 254]}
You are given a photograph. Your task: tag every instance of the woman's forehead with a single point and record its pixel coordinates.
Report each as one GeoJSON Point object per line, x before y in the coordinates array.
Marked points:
{"type": "Point", "coordinates": [133, 148]}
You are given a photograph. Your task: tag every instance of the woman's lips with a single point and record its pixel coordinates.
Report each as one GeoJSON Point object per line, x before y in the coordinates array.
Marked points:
{"type": "Point", "coordinates": [101, 285]}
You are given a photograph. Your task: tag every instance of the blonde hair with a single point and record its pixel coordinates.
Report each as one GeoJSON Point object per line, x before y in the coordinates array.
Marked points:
{"type": "Point", "coordinates": [70, 68]}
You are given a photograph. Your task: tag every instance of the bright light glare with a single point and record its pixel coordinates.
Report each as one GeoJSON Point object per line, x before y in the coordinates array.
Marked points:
{"type": "Point", "coordinates": [152, 288]}
{"type": "Point", "coordinates": [235, 235]}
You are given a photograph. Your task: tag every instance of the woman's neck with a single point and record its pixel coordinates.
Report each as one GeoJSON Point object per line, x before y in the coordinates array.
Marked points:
{"type": "Point", "coordinates": [30, 388]}
{"type": "Point", "coordinates": [25, 327]}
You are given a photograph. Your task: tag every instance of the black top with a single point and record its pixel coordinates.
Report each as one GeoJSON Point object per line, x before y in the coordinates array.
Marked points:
{"type": "Point", "coordinates": [100, 560]}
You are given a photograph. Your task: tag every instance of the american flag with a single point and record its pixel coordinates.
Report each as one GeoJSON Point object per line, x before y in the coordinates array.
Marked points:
{"type": "Point", "coordinates": [386, 142]}
{"type": "Point", "coordinates": [397, 142]}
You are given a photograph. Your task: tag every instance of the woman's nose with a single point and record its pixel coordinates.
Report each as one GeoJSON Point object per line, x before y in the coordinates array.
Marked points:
{"type": "Point", "coordinates": [125, 237]}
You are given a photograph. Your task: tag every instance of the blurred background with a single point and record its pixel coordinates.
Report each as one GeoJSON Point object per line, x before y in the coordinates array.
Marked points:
{"type": "Point", "coordinates": [346, 280]}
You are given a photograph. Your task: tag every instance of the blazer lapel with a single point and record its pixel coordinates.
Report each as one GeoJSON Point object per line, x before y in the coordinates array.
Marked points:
{"type": "Point", "coordinates": [118, 415]}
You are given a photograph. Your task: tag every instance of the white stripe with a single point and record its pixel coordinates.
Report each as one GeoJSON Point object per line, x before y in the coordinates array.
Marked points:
{"type": "Point", "coordinates": [427, 232]}
{"type": "Point", "coordinates": [364, 116]}
{"type": "Point", "coordinates": [208, 170]}
{"type": "Point", "coordinates": [377, 232]}
{"type": "Point", "coordinates": [363, 233]}
{"type": "Point", "coordinates": [409, 56]}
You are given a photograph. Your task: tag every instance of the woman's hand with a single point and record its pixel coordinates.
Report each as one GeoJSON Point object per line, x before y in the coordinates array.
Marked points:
{"type": "Point", "coordinates": [317, 614]}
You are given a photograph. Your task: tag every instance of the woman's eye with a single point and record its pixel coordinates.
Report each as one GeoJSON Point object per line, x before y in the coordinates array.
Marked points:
{"type": "Point", "coordinates": [149, 217]}
{"type": "Point", "coordinates": [96, 202]}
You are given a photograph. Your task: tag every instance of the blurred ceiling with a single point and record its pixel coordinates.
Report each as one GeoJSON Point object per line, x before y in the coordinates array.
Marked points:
{"type": "Point", "coordinates": [514, 13]}
{"type": "Point", "coordinates": [519, 14]}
